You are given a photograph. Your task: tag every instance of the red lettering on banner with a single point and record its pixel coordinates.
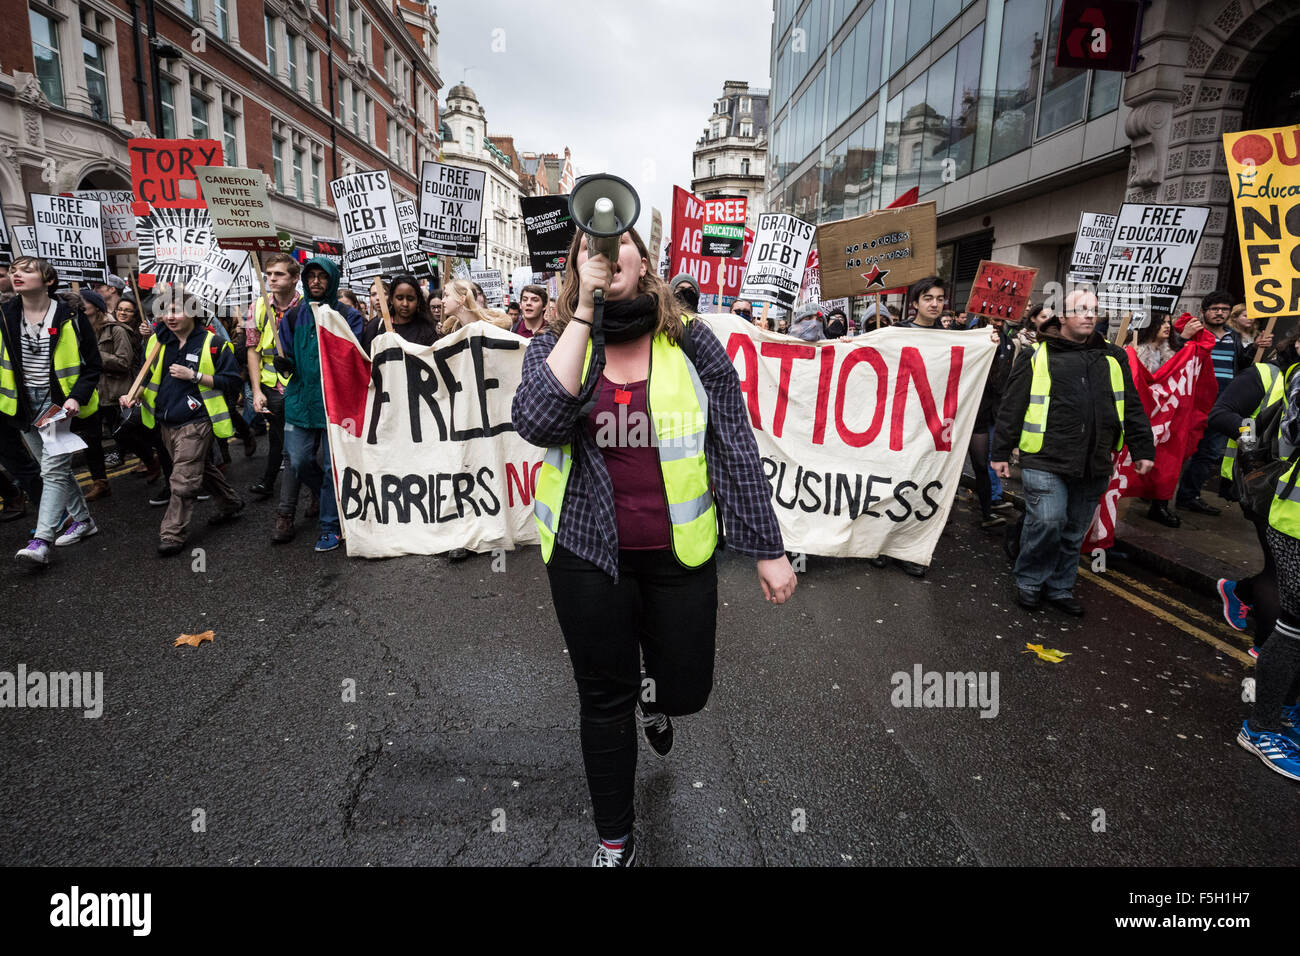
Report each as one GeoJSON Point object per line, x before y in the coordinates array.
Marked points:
{"type": "Point", "coordinates": [1280, 143]}
{"type": "Point", "coordinates": [856, 357]}
{"type": "Point", "coordinates": [741, 342]}
{"type": "Point", "coordinates": [911, 368]}
{"type": "Point", "coordinates": [823, 394]}
{"type": "Point", "coordinates": [786, 353]}
{"type": "Point", "coordinates": [521, 479]}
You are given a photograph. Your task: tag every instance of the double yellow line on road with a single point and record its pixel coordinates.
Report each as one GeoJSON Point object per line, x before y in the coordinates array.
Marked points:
{"type": "Point", "coordinates": [1129, 589]}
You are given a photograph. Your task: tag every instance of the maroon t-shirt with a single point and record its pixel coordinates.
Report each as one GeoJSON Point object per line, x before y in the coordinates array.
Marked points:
{"type": "Point", "coordinates": [521, 328]}
{"type": "Point", "coordinates": [625, 436]}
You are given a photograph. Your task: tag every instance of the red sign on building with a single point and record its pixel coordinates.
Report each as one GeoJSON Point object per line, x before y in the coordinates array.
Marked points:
{"type": "Point", "coordinates": [1099, 34]}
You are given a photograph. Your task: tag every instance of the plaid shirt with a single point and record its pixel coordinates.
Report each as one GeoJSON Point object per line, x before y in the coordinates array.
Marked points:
{"type": "Point", "coordinates": [544, 413]}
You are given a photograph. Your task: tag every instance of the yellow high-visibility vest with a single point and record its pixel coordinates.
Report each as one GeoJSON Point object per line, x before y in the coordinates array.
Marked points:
{"type": "Point", "coordinates": [1040, 394]}
{"type": "Point", "coordinates": [1284, 513]}
{"type": "Point", "coordinates": [1271, 379]}
{"type": "Point", "coordinates": [213, 401]}
{"type": "Point", "coordinates": [266, 349]}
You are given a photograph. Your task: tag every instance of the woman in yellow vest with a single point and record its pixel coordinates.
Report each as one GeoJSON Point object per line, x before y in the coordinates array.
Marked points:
{"type": "Point", "coordinates": [647, 442]}
{"type": "Point", "coordinates": [48, 357]}
{"type": "Point", "coordinates": [1273, 731]}
{"type": "Point", "coordinates": [184, 393]}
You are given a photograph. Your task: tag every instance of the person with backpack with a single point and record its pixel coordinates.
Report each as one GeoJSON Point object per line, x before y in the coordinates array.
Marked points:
{"type": "Point", "coordinates": [629, 524]}
{"type": "Point", "coordinates": [1251, 397]}
{"type": "Point", "coordinates": [1272, 731]}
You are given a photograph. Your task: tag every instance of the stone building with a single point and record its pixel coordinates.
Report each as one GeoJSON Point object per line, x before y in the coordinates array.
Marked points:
{"type": "Point", "coordinates": [730, 158]}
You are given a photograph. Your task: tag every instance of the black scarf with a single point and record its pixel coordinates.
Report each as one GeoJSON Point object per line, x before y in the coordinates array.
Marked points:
{"type": "Point", "coordinates": [630, 319]}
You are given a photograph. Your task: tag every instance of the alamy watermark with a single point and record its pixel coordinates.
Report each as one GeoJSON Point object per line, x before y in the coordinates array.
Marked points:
{"type": "Point", "coordinates": [974, 689]}
{"type": "Point", "coordinates": [78, 690]}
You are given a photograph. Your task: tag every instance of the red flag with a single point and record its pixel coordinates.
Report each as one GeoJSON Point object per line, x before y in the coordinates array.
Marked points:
{"type": "Point", "coordinates": [1177, 398]}
{"type": "Point", "coordinates": [684, 251]}
{"type": "Point", "coordinates": [345, 376]}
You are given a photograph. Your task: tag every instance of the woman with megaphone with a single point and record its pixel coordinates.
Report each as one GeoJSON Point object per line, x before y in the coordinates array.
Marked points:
{"type": "Point", "coordinates": [649, 451]}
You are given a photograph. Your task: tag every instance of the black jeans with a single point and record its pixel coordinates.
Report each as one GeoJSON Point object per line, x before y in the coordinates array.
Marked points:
{"type": "Point", "coordinates": [18, 461]}
{"type": "Point", "coordinates": [657, 609]}
{"type": "Point", "coordinates": [1260, 590]}
{"type": "Point", "coordinates": [91, 431]}
{"type": "Point", "coordinates": [274, 434]}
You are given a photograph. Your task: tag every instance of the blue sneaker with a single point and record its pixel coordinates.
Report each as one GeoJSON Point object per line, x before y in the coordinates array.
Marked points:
{"type": "Point", "coordinates": [1234, 611]}
{"type": "Point", "coordinates": [328, 541]}
{"type": "Point", "coordinates": [1254, 651]}
{"type": "Point", "coordinates": [1278, 751]}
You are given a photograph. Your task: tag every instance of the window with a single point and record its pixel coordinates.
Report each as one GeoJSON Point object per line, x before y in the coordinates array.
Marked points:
{"type": "Point", "coordinates": [713, 167]}
{"type": "Point", "coordinates": [277, 157]}
{"type": "Point", "coordinates": [744, 167]}
{"type": "Point", "coordinates": [746, 129]}
{"type": "Point", "coordinates": [199, 116]}
{"type": "Point", "coordinates": [370, 121]}
{"type": "Point", "coordinates": [168, 101]}
{"type": "Point", "coordinates": [192, 9]}
{"type": "Point", "coordinates": [309, 64]}
{"type": "Point", "coordinates": [1064, 89]}
{"type": "Point", "coordinates": [356, 111]}
{"type": "Point", "coordinates": [469, 139]}
{"type": "Point", "coordinates": [221, 13]}
{"type": "Point", "coordinates": [297, 172]}
{"type": "Point", "coordinates": [272, 65]}
{"type": "Point", "coordinates": [291, 57]}
{"type": "Point", "coordinates": [229, 138]}
{"type": "Point", "coordinates": [1017, 83]}
{"type": "Point", "coordinates": [315, 179]}
{"type": "Point", "coordinates": [45, 51]}
{"type": "Point", "coordinates": [388, 63]}
{"type": "Point", "coordinates": [96, 78]}
{"type": "Point", "coordinates": [1104, 95]}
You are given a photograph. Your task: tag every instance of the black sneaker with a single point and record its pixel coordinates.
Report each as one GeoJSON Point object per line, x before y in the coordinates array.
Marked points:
{"type": "Point", "coordinates": [1200, 507]}
{"type": "Point", "coordinates": [658, 730]}
{"type": "Point", "coordinates": [992, 521]}
{"type": "Point", "coordinates": [161, 497]}
{"type": "Point", "coordinates": [912, 568]}
{"type": "Point", "coordinates": [262, 489]}
{"type": "Point", "coordinates": [624, 857]}
{"type": "Point", "coordinates": [1003, 505]}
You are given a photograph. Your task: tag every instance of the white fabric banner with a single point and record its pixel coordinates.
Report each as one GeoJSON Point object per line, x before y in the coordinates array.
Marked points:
{"type": "Point", "coordinates": [862, 441]}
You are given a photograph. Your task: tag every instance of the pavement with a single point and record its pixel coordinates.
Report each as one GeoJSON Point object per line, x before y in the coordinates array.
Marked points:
{"type": "Point", "coordinates": [414, 711]}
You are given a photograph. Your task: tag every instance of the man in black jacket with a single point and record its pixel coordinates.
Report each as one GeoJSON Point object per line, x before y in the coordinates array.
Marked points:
{"type": "Point", "coordinates": [1067, 455]}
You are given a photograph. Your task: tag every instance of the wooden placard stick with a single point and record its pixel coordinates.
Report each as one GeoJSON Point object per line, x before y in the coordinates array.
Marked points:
{"type": "Point", "coordinates": [383, 303]}
{"type": "Point", "coordinates": [766, 306]}
{"type": "Point", "coordinates": [1123, 329]}
{"type": "Point", "coordinates": [722, 279]}
{"type": "Point", "coordinates": [878, 307]}
{"type": "Point", "coordinates": [153, 347]}
{"type": "Point", "coordinates": [1268, 330]}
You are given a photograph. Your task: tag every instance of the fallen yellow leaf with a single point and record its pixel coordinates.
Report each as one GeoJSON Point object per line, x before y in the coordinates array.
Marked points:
{"type": "Point", "coordinates": [1049, 654]}
{"type": "Point", "coordinates": [193, 640]}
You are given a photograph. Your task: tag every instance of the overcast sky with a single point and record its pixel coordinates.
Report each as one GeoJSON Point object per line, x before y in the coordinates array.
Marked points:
{"type": "Point", "coordinates": [628, 88]}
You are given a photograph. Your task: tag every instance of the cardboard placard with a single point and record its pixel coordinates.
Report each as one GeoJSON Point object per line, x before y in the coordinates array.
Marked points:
{"type": "Point", "coordinates": [239, 207]}
{"type": "Point", "coordinates": [160, 167]}
{"type": "Point", "coordinates": [1150, 254]}
{"type": "Point", "coordinates": [372, 233]}
{"type": "Point", "coordinates": [217, 271]}
{"type": "Point", "coordinates": [119, 220]}
{"type": "Point", "coordinates": [451, 209]}
{"type": "Point", "coordinates": [492, 284]}
{"type": "Point", "coordinates": [417, 260]}
{"type": "Point", "coordinates": [881, 250]}
{"type": "Point", "coordinates": [70, 234]}
{"type": "Point", "coordinates": [776, 265]}
{"type": "Point", "coordinates": [173, 242]}
{"type": "Point", "coordinates": [1091, 242]}
{"type": "Point", "coordinates": [656, 241]}
{"type": "Point", "coordinates": [1001, 290]}
{"type": "Point", "coordinates": [549, 230]}
{"type": "Point", "coordinates": [1266, 198]}
{"type": "Point", "coordinates": [25, 239]}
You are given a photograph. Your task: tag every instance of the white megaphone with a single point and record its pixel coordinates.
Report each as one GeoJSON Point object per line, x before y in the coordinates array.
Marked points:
{"type": "Point", "coordinates": [604, 207]}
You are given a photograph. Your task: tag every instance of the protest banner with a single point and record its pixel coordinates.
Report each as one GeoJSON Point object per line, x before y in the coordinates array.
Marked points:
{"type": "Point", "coordinates": [239, 208]}
{"type": "Point", "coordinates": [776, 264]}
{"type": "Point", "coordinates": [656, 242]}
{"type": "Point", "coordinates": [217, 271]}
{"type": "Point", "coordinates": [858, 255]}
{"type": "Point", "coordinates": [425, 457]}
{"type": "Point", "coordinates": [1265, 186]}
{"type": "Point", "coordinates": [1150, 253]}
{"type": "Point", "coordinates": [549, 229]}
{"type": "Point", "coordinates": [723, 233]}
{"type": "Point", "coordinates": [862, 444]}
{"type": "Point", "coordinates": [372, 233]}
{"type": "Point", "coordinates": [1001, 290]}
{"type": "Point", "coordinates": [6, 240]}
{"type": "Point", "coordinates": [162, 172]}
{"type": "Point", "coordinates": [686, 254]}
{"type": "Point", "coordinates": [243, 290]}
{"type": "Point", "coordinates": [329, 248]}
{"type": "Point", "coordinates": [417, 260]}
{"type": "Point", "coordinates": [1177, 398]}
{"type": "Point", "coordinates": [25, 239]}
{"type": "Point", "coordinates": [451, 209]}
{"type": "Point", "coordinates": [493, 286]}
{"type": "Point", "coordinates": [119, 220]}
{"type": "Point", "coordinates": [1091, 243]}
{"type": "Point", "coordinates": [172, 244]}
{"type": "Point", "coordinates": [70, 234]}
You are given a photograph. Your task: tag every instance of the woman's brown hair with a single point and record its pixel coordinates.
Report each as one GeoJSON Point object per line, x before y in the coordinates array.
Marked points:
{"type": "Point", "coordinates": [670, 309]}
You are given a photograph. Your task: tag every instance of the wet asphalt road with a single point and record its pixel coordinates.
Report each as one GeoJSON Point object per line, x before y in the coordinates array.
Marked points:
{"type": "Point", "coordinates": [466, 715]}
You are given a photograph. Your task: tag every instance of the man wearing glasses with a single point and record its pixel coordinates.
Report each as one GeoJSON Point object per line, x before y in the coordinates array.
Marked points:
{"type": "Point", "coordinates": [1230, 355]}
{"type": "Point", "coordinates": [743, 309]}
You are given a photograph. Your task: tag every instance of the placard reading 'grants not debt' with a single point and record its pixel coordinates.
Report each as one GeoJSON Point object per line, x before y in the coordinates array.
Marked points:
{"type": "Point", "coordinates": [776, 264]}
{"type": "Point", "coordinates": [372, 232]}
{"type": "Point", "coordinates": [451, 209]}
{"type": "Point", "coordinates": [881, 250]}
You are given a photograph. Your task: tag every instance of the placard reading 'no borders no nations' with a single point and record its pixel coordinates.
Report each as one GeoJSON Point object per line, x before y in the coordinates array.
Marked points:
{"type": "Point", "coordinates": [451, 209]}
{"type": "Point", "coordinates": [887, 249]}
{"type": "Point", "coordinates": [1264, 172]}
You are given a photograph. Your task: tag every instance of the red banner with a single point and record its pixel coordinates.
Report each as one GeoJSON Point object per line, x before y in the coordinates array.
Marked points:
{"type": "Point", "coordinates": [687, 229]}
{"type": "Point", "coordinates": [1177, 399]}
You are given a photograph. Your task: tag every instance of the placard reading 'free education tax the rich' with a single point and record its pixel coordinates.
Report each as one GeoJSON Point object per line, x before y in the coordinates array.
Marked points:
{"type": "Point", "coordinates": [70, 234]}
{"type": "Point", "coordinates": [451, 209]}
{"type": "Point", "coordinates": [1091, 243]}
{"type": "Point", "coordinates": [1149, 256]}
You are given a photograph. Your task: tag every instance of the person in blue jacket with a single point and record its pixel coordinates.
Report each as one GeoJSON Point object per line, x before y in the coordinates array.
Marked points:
{"type": "Point", "coordinates": [304, 404]}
